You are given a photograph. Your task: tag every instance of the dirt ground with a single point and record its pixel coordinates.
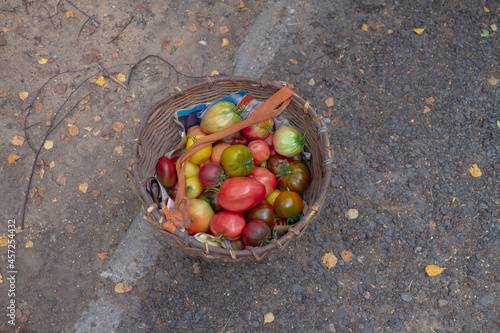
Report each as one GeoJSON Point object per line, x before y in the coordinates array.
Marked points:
{"type": "Point", "coordinates": [80, 202]}
{"type": "Point", "coordinates": [412, 111]}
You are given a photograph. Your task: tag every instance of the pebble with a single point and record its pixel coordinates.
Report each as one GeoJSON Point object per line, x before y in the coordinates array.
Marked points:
{"type": "Point", "coordinates": [367, 295]}
{"type": "Point", "coordinates": [442, 302]}
{"type": "Point", "coordinates": [311, 82]}
{"type": "Point", "coordinates": [352, 214]}
{"type": "Point", "coordinates": [202, 42]}
{"type": "Point", "coordinates": [407, 297]}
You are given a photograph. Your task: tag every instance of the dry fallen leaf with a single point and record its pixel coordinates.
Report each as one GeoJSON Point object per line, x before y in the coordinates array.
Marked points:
{"type": "Point", "coordinates": [475, 171]}
{"type": "Point", "coordinates": [330, 260]}
{"type": "Point", "coordinates": [13, 157]}
{"type": "Point", "coordinates": [418, 31]}
{"type": "Point", "coordinates": [74, 130]}
{"type": "Point", "coordinates": [52, 164]}
{"type": "Point", "coordinates": [364, 27]}
{"type": "Point", "coordinates": [180, 42]}
{"type": "Point", "coordinates": [225, 42]}
{"type": "Point", "coordinates": [118, 126]}
{"type": "Point", "coordinates": [193, 28]}
{"type": "Point", "coordinates": [214, 73]}
{"type": "Point", "coordinates": [88, 128]}
{"type": "Point", "coordinates": [329, 102]}
{"type": "Point", "coordinates": [17, 140]}
{"type": "Point", "coordinates": [122, 288]}
{"type": "Point", "coordinates": [60, 88]}
{"type": "Point", "coordinates": [4, 240]}
{"type": "Point", "coordinates": [61, 180]}
{"type": "Point", "coordinates": [390, 31]}
{"type": "Point", "coordinates": [241, 5]}
{"type": "Point", "coordinates": [23, 95]}
{"type": "Point", "coordinates": [486, 9]}
{"type": "Point", "coordinates": [223, 30]}
{"type": "Point", "coordinates": [121, 77]}
{"type": "Point", "coordinates": [48, 144]}
{"type": "Point", "coordinates": [118, 150]}
{"type": "Point", "coordinates": [83, 187]}
{"type": "Point", "coordinates": [43, 61]}
{"type": "Point", "coordinates": [70, 14]}
{"type": "Point", "coordinates": [430, 100]}
{"type": "Point", "coordinates": [346, 255]}
{"type": "Point", "coordinates": [38, 107]}
{"type": "Point", "coordinates": [102, 82]}
{"type": "Point", "coordinates": [103, 255]}
{"type": "Point", "coordinates": [29, 244]}
{"type": "Point", "coordinates": [493, 81]}
{"type": "Point", "coordinates": [433, 270]}
{"type": "Point", "coordinates": [268, 318]}
{"type": "Point", "coordinates": [426, 109]}
{"type": "Point", "coordinates": [493, 27]}
{"type": "Point", "coordinates": [196, 268]}
{"type": "Point", "coordinates": [1, 281]}
{"type": "Point", "coordinates": [97, 119]}
{"type": "Point", "coordinates": [96, 193]}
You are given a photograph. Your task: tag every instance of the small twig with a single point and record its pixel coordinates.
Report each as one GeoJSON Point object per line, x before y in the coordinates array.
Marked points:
{"type": "Point", "coordinates": [106, 74]}
{"type": "Point", "coordinates": [122, 29]}
{"type": "Point", "coordinates": [57, 10]}
{"type": "Point", "coordinates": [12, 10]}
{"type": "Point", "coordinates": [224, 328]}
{"type": "Point", "coordinates": [166, 62]}
{"type": "Point", "coordinates": [83, 26]}
{"type": "Point", "coordinates": [25, 2]}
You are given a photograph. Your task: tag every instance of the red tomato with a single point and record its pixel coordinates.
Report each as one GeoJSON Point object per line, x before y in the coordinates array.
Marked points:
{"type": "Point", "coordinates": [260, 151]}
{"type": "Point", "coordinates": [217, 151]}
{"type": "Point", "coordinates": [173, 191]}
{"type": "Point", "coordinates": [293, 176]}
{"type": "Point", "coordinates": [195, 130]}
{"type": "Point", "coordinates": [269, 140]}
{"type": "Point", "coordinates": [165, 172]}
{"type": "Point", "coordinates": [236, 139]}
{"type": "Point", "coordinates": [210, 174]}
{"type": "Point", "coordinates": [200, 212]}
{"type": "Point", "coordinates": [219, 116]}
{"type": "Point", "coordinates": [237, 161]}
{"type": "Point", "coordinates": [288, 141]}
{"type": "Point", "coordinates": [256, 233]}
{"type": "Point", "coordinates": [288, 204]}
{"type": "Point", "coordinates": [259, 130]}
{"type": "Point", "coordinates": [275, 161]}
{"type": "Point", "coordinates": [227, 224]}
{"type": "Point", "coordinates": [239, 194]}
{"type": "Point", "coordinates": [266, 177]}
{"type": "Point", "coordinates": [264, 212]}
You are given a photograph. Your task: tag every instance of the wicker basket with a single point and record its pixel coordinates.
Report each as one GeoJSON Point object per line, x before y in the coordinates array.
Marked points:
{"type": "Point", "coordinates": [157, 135]}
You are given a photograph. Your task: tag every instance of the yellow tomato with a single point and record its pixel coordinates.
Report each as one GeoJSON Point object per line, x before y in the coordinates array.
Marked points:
{"type": "Point", "coordinates": [193, 187]}
{"type": "Point", "coordinates": [191, 169]}
{"type": "Point", "coordinates": [200, 156]}
{"type": "Point", "coordinates": [273, 196]}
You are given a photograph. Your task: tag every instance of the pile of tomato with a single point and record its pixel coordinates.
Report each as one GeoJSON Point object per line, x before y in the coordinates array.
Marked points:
{"type": "Point", "coordinates": [246, 188]}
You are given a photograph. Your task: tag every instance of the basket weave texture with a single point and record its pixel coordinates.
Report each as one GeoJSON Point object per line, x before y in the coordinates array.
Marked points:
{"type": "Point", "coordinates": [158, 135]}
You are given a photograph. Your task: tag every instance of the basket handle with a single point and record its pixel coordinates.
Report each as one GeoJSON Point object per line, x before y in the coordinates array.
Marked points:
{"type": "Point", "coordinates": [269, 109]}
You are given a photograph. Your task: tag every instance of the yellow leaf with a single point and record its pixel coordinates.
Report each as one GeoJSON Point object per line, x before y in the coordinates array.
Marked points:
{"type": "Point", "coordinates": [88, 129]}
{"type": "Point", "coordinates": [418, 31]}
{"type": "Point", "coordinates": [48, 144]}
{"type": "Point", "coordinates": [475, 171]}
{"type": "Point", "coordinates": [330, 260]}
{"type": "Point", "coordinates": [18, 230]}
{"type": "Point", "coordinates": [13, 157]}
{"type": "Point", "coordinates": [242, 5]}
{"type": "Point", "coordinates": [83, 187]}
{"type": "Point", "coordinates": [433, 270]}
{"type": "Point", "coordinates": [364, 27]}
{"type": "Point", "coordinates": [223, 30]}
{"type": "Point", "coordinates": [101, 81]}
{"type": "Point", "coordinates": [493, 27]}
{"type": "Point", "coordinates": [23, 95]}
{"type": "Point", "coordinates": [29, 244]}
{"type": "Point", "coordinates": [4, 240]}
{"type": "Point", "coordinates": [1, 281]}
{"type": "Point", "coordinates": [121, 77]}
{"type": "Point", "coordinates": [225, 42]}
{"type": "Point", "coordinates": [214, 73]}
{"type": "Point", "coordinates": [70, 14]}
{"type": "Point", "coordinates": [180, 42]}
{"type": "Point", "coordinates": [486, 10]}
{"type": "Point", "coordinates": [122, 288]}
{"type": "Point", "coordinates": [43, 61]}
{"type": "Point", "coordinates": [346, 255]}
{"type": "Point", "coordinates": [17, 140]}
{"type": "Point", "coordinates": [268, 318]}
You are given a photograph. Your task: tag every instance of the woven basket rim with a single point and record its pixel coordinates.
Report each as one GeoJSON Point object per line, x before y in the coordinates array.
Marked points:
{"type": "Point", "coordinates": [208, 252]}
